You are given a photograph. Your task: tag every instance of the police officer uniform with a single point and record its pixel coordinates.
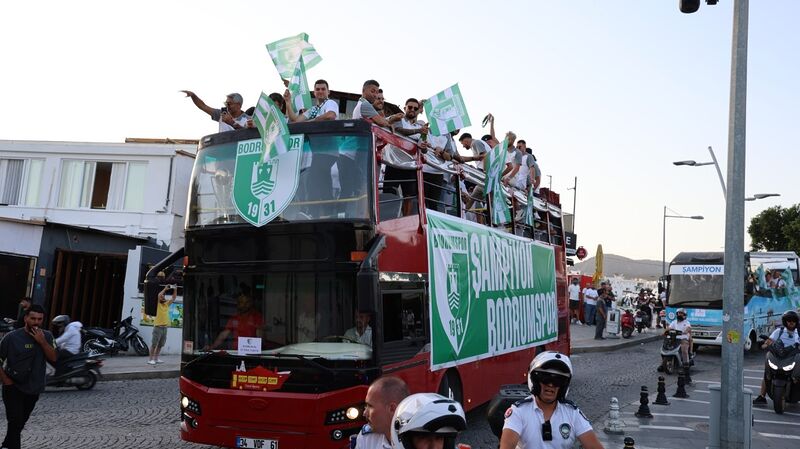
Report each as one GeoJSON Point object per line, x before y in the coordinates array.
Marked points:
{"type": "Point", "coordinates": [566, 424]}
{"type": "Point", "coordinates": [367, 439]}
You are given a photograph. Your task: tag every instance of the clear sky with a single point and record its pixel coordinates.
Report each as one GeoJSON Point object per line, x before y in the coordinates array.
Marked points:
{"type": "Point", "coordinates": [609, 91]}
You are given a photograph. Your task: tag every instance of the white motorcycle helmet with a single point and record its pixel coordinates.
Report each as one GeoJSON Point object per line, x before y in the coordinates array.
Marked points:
{"type": "Point", "coordinates": [427, 414]}
{"type": "Point", "coordinates": [551, 362]}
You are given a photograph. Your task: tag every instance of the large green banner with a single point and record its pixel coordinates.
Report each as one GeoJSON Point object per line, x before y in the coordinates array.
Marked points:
{"type": "Point", "coordinates": [490, 292]}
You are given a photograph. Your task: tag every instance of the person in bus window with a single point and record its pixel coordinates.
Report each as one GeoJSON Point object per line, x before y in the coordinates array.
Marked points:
{"type": "Point", "coordinates": [325, 109]}
{"type": "Point", "coordinates": [230, 117]}
{"type": "Point", "coordinates": [362, 331]}
{"type": "Point", "coordinates": [247, 322]}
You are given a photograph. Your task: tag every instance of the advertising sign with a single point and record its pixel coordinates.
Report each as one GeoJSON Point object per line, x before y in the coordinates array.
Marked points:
{"type": "Point", "coordinates": [491, 292]}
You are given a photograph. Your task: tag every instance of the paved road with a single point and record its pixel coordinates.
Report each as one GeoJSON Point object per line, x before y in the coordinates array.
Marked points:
{"type": "Point", "coordinates": [144, 413]}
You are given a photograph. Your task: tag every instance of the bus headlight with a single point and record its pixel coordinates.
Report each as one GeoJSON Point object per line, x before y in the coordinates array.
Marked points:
{"type": "Point", "coordinates": [190, 405]}
{"type": "Point", "coordinates": [354, 412]}
{"type": "Point", "coordinates": [345, 415]}
{"type": "Point", "coordinates": [789, 367]}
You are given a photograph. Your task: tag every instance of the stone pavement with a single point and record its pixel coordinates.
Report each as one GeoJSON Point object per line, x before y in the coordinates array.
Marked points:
{"type": "Point", "coordinates": [582, 339]}
{"type": "Point", "coordinates": [684, 424]}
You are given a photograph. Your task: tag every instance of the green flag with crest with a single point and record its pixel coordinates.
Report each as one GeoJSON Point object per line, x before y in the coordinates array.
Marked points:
{"type": "Point", "coordinates": [285, 53]}
{"type": "Point", "coordinates": [446, 111]}
{"type": "Point", "coordinates": [298, 87]}
{"type": "Point", "coordinates": [271, 125]}
{"type": "Point", "coordinates": [495, 162]}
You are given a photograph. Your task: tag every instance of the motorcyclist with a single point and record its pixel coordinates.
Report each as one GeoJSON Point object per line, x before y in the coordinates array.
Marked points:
{"type": "Point", "coordinates": [427, 421]}
{"type": "Point", "coordinates": [685, 327]}
{"type": "Point", "coordinates": [788, 335]}
{"type": "Point", "coordinates": [546, 419]}
{"type": "Point", "coordinates": [68, 338]}
{"type": "Point", "coordinates": [643, 304]}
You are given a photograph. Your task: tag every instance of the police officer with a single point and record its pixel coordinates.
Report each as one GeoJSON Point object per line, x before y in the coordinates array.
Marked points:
{"type": "Point", "coordinates": [382, 400]}
{"type": "Point", "coordinates": [546, 419]}
{"type": "Point", "coordinates": [427, 421]}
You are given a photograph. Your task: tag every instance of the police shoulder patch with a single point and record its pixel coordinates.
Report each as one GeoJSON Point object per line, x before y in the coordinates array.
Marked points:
{"type": "Point", "coordinates": [565, 430]}
{"type": "Point", "coordinates": [366, 429]}
{"type": "Point", "coordinates": [509, 411]}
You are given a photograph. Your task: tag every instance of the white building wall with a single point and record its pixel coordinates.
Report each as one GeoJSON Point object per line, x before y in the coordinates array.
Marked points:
{"type": "Point", "coordinates": [165, 190]}
{"type": "Point", "coordinates": [20, 238]}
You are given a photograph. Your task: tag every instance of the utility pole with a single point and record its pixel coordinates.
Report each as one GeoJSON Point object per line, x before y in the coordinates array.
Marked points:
{"type": "Point", "coordinates": [732, 425]}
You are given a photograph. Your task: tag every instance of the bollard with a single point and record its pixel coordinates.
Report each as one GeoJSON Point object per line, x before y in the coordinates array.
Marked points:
{"type": "Point", "coordinates": [628, 441]}
{"type": "Point", "coordinates": [661, 397]}
{"type": "Point", "coordinates": [681, 392]}
{"type": "Point", "coordinates": [644, 410]}
{"type": "Point", "coordinates": [614, 425]}
{"type": "Point", "coordinates": [687, 379]}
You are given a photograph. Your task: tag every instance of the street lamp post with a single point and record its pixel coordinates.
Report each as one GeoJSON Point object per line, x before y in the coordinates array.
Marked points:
{"type": "Point", "coordinates": [713, 162]}
{"type": "Point", "coordinates": [664, 236]}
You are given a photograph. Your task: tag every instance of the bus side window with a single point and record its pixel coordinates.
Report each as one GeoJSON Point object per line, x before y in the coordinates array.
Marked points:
{"type": "Point", "coordinates": [404, 331]}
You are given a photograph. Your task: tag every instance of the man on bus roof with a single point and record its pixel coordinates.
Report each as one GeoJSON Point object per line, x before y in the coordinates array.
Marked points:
{"type": "Point", "coordinates": [230, 117]}
{"type": "Point", "coordinates": [364, 108]}
{"type": "Point", "coordinates": [325, 109]}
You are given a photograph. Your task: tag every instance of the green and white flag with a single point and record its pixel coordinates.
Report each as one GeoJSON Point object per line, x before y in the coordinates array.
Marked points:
{"type": "Point", "coordinates": [298, 87]}
{"type": "Point", "coordinates": [494, 164]}
{"type": "Point", "coordinates": [287, 51]}
{"type": "Point", "coordinates": [529, 210]}
{"type": "Point", "coordinates": [271, 125]}
{"type": "Point", "coordinates": [491, 292]}
{"type": "Point", "coordinates": [446, 111]}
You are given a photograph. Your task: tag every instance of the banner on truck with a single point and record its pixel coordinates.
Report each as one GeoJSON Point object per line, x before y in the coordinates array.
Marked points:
{"type": "Point", "coordinates": [491, 292]}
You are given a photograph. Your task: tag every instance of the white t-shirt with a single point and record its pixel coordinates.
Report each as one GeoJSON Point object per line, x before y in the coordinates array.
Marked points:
{"type": "Point", "coordinates": [681, 326]}
{"type": "Point", "coordinates": [479, 147]}
{"type": "Point", "coordinates": [216, 115]}
{"type": "Point", "coordinates": [567, 424]}
{"type": "Point", "coordinates": [788, 338]}
{"type": "Point", "coordinates": [777, 283]}
{"type": "Point", "coordinates": [590, 296]}
{"type": "Point", "coordinates": [317, 110]}
{"type": "Point", "coordinates": [365, 338]}
{"type": "Point", "coordinates": [574, 292]}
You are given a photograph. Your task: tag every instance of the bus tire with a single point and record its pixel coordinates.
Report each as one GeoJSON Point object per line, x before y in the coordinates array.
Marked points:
{"type": "Point", "coordinates": [450, 386]}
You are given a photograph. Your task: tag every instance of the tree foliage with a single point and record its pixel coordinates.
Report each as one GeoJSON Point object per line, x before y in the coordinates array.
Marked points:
{"type": "Point", "coordinates": [776, 229]}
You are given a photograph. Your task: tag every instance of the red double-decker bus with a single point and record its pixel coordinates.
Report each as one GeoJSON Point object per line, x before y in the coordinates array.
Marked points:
{"type": "Point", "coordinates": [334, 291]}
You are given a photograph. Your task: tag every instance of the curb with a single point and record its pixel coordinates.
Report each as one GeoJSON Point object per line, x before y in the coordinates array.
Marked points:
{"type": "Point", "coordinates": [622, 344]}
{"type": "Point", "coordinates": [139, 375]}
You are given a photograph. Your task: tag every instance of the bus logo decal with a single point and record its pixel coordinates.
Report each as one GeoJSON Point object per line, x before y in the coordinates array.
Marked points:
{"type": "Point", "coordinates": [262, 190]}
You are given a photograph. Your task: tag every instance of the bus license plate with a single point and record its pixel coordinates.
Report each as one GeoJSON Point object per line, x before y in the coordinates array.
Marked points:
{"type": "Point", "coordinates": [256, 443]}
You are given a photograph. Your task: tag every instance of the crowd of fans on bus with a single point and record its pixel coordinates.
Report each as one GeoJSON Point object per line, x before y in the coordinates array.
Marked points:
{"type": "Point", "coordinates": [521, 170]}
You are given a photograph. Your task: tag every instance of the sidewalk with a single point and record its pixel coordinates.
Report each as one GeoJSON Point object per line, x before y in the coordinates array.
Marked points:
{"type": "Point", "coordinates": [582, 339]}
{"type": "Point", "coordinates": [129, 367]}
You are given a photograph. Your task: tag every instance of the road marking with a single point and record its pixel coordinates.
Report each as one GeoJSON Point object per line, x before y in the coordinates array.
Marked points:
{"type": "Point", "coordinates": [682, 429]}
{"type": "Point", "coordinates": [701, 391]}
{"type": "Point", "coordinates": [768, 410]}
{"type": "Point", "coordinates": [690, 400]}
{"type": "Point", "coordinates": [754, 370]}
{"type": "Point", "coordinates": [754, 378]}
{"type": "Point", "coordinates": [776, 435]}
{"type": "Point", "coordinates": [788, 423]}
{"type": "Point", "coordinates": [673, 415]}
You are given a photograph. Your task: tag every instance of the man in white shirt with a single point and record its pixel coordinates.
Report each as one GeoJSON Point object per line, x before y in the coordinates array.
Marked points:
{"type": "Point", "coordinates": [682, 324]}
{"type": "Point", "coordinates": [381, 402]}
{"type": "Point", "coordinates": [325, 109]}
{"type": "Point", "coordinates": [589, 303]}
{"type": "Point", "coordinates": [230, 117]}
{"type": "Point", "coordinates": [574, 291]}
{"type": "Point", "coordinates": [406, 180]}
{"type": "Point", "coordinates": [362, 331]}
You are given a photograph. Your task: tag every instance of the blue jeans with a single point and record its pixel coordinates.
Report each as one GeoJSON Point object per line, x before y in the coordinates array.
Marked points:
{"type": "Point", "coordinates": [588, 313]}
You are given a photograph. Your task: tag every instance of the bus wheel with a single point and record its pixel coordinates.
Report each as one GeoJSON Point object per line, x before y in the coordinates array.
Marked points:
{"type": "Point", "coordinates": [450, 387]}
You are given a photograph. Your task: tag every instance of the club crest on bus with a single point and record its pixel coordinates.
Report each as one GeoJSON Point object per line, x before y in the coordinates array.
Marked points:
{"type": "Point", "coordinates": [262, 190]}
{"type": "Point", "coordinates": [453, 299]}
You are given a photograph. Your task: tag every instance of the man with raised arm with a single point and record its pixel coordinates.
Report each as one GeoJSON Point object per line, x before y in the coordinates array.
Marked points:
{"type": "Point", "coordinates": [230, 117]}
{"type": "Point", "coordinates": [325, 109]}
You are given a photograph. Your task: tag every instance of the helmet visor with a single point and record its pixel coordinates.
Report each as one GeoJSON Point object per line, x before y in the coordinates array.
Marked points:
{"type": "Point", "coordinates": [551, 379]}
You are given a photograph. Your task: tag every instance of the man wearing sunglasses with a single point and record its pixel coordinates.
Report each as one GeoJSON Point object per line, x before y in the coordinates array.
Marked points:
{"type": "Point", "coordinates": [546, 419]}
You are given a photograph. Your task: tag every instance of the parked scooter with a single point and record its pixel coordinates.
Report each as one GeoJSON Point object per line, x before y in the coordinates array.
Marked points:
{"type": "Point", "coordinates": [110, 341]}
{"type": "Point", "coordinates": [627, 323]}
{"type": "Point", "coordinates": [671, 352]}
{"type": "Point", "coordinates": [80, 371]}
{"type": "Point", "coordinates": [783, 377]}
{"type": "Point", "coordinates": [640, 320]}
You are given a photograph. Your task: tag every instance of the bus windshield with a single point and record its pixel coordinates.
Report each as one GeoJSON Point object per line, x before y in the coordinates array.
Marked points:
{"type": "Point", "coordinates": [333, 184]}
{"type": "Point", "coordinates": [277, 314]}
{"type": "Point", "coordinates": [695, 290]}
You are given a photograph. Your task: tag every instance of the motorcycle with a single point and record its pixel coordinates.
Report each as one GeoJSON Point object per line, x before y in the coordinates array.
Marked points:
{"type": "Point", "coordinates": [640, 320]}
{"type": "Point", "coordinates": [627, 323]}
{"type": "Point", "coordinates": [81, 371]}
{"type": "Point", "coordinates": [782, 385]}
{"type": "Point", "coordinates": [671, 352]}
{"type": "Point", "coordinates": [98, 340]}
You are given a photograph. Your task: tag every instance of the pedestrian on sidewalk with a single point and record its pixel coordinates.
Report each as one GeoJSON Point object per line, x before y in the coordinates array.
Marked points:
{"type": "Point", "coordinates": [589, 303]}
{"type": "Point", "coordinates": [161, 323]}
{"type": "Point", "coordinates": [23, 352]}
{"type": "Point", "coordinates": [574, 290]}
{"type": "Point", "coordinates": [601, 312]}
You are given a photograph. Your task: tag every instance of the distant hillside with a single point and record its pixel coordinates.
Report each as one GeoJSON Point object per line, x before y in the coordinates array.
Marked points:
{"type": "Point", "coordinates": [629, 268]}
